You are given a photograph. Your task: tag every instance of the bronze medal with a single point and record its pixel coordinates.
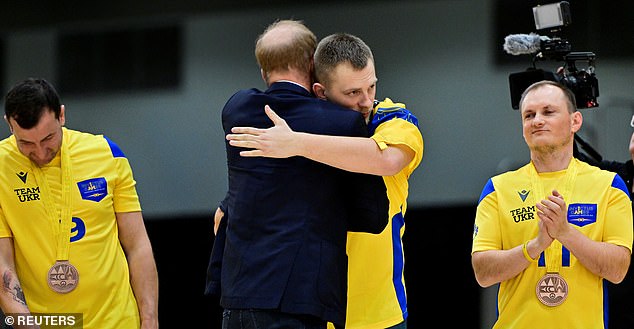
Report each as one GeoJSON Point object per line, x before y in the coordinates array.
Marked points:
{"type": "Point", "coordinates": [63, 277]}
{"type": "Point", "coordinates": [551, 289]}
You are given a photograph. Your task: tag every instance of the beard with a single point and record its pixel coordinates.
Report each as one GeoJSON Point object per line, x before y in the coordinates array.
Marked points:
{"type": "Point", "coordinates": [546, 149]}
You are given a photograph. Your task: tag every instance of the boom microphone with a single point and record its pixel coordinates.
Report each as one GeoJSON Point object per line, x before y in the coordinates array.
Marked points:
{"type": "Point", "coordinates": [520, 44]}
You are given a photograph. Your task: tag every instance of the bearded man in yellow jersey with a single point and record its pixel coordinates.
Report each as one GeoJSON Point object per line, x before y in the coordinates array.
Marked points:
{"type": "Point", "coordinates": [72, 237]}
{"type": "Point", "coordinates": [552, 232]}
{"type": "Point", "coordinates": [344, 68]}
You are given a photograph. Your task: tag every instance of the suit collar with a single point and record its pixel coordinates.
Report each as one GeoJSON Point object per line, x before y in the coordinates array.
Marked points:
{"type": "Point", "coordinates": [288, 86]}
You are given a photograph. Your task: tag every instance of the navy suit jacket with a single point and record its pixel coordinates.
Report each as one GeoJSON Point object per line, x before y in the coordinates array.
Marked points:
{"type": "Point", "coordinates": [286, 219]}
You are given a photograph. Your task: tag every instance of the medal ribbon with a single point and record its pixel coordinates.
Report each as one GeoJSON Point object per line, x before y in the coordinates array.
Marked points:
{"type": "Point", "coordinates": [61, 226]}
{"type": "Point", "coordinates": [553, 254]}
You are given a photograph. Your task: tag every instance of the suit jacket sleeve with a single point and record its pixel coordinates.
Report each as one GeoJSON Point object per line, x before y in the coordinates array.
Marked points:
{"type": "Point", "coordinates": [369, 205]}
{"type": "Point", "coordinates": [212, 286]}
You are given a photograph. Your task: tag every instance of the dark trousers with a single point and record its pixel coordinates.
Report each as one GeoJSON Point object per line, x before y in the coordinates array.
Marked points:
{"type": "Point", "coordinates": [268, 319]}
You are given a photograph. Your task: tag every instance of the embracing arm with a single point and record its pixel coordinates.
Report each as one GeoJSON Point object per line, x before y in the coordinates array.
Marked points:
{"type": "Point", "coordinates": [356, 154]}
{"type": "Point", "coordinates": [143, 274]}
{"type": "Point", "coordinates": [217, 219]}
{"type": "Point", "coordinates": [214, 268]}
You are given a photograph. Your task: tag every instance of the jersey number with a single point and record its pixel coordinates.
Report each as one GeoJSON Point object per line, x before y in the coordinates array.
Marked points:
{"type": "Point", "coordinates": [78, 230]}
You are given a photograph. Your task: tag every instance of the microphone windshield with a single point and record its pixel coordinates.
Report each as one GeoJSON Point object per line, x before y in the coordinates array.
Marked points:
{"type": "Point", "coordinates": [519, 44]}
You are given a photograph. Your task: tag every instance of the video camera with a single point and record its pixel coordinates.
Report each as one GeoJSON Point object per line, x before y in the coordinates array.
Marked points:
{"type": "Point", "coordinates": [551, 18]}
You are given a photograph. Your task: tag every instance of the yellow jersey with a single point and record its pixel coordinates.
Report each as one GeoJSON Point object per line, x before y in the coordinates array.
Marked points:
{"type": "Point", "coordinates": [101, 184]}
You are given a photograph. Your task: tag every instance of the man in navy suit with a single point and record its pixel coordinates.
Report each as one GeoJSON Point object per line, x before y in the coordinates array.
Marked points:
{"type": "Point", "coordinates": [284, 261]}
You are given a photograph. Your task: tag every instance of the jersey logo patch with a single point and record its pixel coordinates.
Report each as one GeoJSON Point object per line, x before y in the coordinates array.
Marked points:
{"type": "Point", "coordinates": [22, 176]}
{"type": "Point", "coordinates": [523, 194]}
{"type": "Point", "coordinates": [582, 214]}
{"type": "Point", "coordinates": [94, 189]}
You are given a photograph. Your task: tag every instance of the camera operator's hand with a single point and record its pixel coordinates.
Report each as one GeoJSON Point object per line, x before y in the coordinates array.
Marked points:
{"type": "Point", "coordinates": [560, 71]}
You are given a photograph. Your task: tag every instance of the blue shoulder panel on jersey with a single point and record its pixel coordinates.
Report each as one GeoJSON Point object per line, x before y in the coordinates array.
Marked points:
{"type": "Point", "coordinates": [114, 148]}
{"type": "Point", "coordinates": [488, 189]}
{"type": "Point", "coordinates": [618, 182]}
{"type": "Point", "coordinates": [384, 114]}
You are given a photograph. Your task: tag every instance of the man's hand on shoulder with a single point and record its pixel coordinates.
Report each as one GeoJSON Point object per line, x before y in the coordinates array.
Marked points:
{"type": "Point", "coordinates": [279, 141]}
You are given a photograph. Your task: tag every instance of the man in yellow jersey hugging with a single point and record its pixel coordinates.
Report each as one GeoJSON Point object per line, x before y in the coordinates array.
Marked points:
{"type": "Point", "coordinates": [344, 68]}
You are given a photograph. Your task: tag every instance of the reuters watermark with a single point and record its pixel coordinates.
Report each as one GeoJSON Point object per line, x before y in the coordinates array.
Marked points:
{"type": "Point", "coordinates": [44, 320]}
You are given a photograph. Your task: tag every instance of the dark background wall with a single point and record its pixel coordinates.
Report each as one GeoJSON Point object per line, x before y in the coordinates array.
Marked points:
{"type": "Point", "coordinates": [154, 77]}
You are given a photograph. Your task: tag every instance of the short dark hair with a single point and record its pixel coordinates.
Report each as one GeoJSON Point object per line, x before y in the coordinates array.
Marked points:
{"type": "Point", "coordinates": [340, 48]}
{"type": "Point", "coordinates": [28, 99]}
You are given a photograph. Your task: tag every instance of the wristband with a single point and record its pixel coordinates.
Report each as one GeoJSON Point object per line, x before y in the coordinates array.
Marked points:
{"type": "Point", "coordinates": [526, 255]}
